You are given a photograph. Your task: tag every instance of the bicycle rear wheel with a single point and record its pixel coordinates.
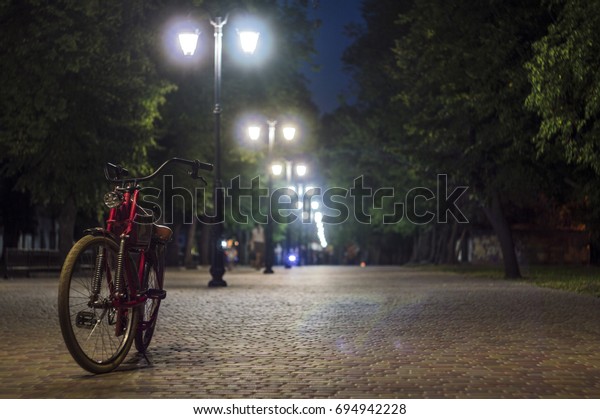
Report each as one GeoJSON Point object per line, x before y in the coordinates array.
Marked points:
{"type": "Point", "coordinates": [149, 312]}
{"type": "Point", "coordinates": [96, 332]}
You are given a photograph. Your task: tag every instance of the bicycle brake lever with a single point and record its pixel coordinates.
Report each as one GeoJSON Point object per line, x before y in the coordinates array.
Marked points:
{"type": "Point", "coordinates": [194, 175]}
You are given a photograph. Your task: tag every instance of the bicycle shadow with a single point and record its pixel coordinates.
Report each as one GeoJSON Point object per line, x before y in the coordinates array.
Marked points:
{"type": "Point", "coordinates": [134, 362]}
{"type": "Point", "coordinates": [137, 361]}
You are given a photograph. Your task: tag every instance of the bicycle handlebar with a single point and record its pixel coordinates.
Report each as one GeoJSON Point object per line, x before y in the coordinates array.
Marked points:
{"type": "Point", "coordinates": [195, 166]}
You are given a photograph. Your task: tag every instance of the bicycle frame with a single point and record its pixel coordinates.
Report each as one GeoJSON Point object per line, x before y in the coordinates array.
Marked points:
{"type": "Point", "coordinates": [120, 227]}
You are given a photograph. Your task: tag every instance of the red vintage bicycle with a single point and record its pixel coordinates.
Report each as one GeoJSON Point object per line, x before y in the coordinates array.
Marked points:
{"type": "Point", "coordinates": [111, 283]}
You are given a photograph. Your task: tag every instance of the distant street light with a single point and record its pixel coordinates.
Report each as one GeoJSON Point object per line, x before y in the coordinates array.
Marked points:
{"type": "Point", "coordinates": [188, 42]}
{"type": "Point", "coordinates": [289, 133]}
{"type": "Point", "coordinates": [301, 170]}
{"type": "Point", "coordinates": [277, 169]}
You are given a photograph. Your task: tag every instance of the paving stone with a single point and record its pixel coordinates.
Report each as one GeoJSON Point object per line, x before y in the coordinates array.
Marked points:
{"type": "Point", "coordinates": [322, 332]}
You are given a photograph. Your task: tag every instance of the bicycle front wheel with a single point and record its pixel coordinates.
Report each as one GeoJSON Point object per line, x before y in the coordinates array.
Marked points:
{"type": "Point", "coordinates": [96, 332]}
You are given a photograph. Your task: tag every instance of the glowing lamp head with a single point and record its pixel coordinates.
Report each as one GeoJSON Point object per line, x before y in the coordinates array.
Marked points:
{"type": "Point", "coordinates": [277, 169]}
{"type": "Point", "coordinates": [248, 40]}
{"type": "Point", "coordinates": [254, 133]}
{"type": "Point", "coordinates": [188, 41]}
{"type": "Point", "coordinates": [289, 133]}
{"type": "Point", "coordinates": [301, 170]}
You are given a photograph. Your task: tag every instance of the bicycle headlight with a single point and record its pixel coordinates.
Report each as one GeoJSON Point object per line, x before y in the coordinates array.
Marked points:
{"type": "Point", "coordinates": [113, 199]}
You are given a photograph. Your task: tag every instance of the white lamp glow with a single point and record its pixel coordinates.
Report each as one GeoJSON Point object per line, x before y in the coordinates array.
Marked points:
{"type": "Point", "coordinates": [248, 40]}
{"type": "Point", "coordinates": [289, 133]}
{"type": "Point", "coordinates": [188, 41]}
{"type": "Point", "coordinates": [254, 133]}
{"type": "Point", "coordinates": [301, 169]}
{"type": "Point", "coordinates": [277, 169]}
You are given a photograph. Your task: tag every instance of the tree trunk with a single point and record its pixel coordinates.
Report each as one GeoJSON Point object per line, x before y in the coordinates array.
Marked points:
{"type": "Point", "coordinates": [495, 215]}
{"type": "Point", "coordinates": [66, 227]}
{"type": "Point", "coordinates": [451, 246]}
{"type": "Point", "coordinates": [422, 251]}
{"type": "Point", "coordinates": [440, 256]}
{"type": "Point", "coordinates": [188, 260]}
{"type": "Point", "coordinates": [10, 239]}
{"type": "Point", "coordinates": [415, 249]}
{"type": "Point", "coordinates": [244, 258]}
{"type": "Point", "coordinates": [433, 245]}
{"type": "Point", "coordinates": [172, 254]}
{"type": "Point", "coordinates": [464, 246]}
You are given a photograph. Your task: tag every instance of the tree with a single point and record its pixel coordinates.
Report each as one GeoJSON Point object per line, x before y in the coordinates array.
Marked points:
{"type": "Point", "coordinates": [78, 89]}
{"type": "Point", "coordinates": [461, 67]}
{"type": "Point", "coordinates": [355, 160]}
{"type": "Point", "coordinates": [353, 138]}
{"type": "Point", "coordinates": [441, 86]}
{"type": "Point", "coordinates": [565, 83]}
{"type": "Point", "coordinates": [565, 94]}
{"type": "Point", "coordinates": [16, 214]}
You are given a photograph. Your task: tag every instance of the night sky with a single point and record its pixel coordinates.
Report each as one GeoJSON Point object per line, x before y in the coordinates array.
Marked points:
{"type": "Point", "coordinates": [330, 43]}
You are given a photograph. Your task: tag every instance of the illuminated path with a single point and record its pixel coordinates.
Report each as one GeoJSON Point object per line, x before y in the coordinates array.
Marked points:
{"type": "Point", "coordinates": [325, 332]}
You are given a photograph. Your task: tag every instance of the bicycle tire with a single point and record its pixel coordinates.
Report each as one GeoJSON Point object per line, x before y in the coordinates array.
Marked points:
{"type": "Point", "coordinates": [90, 332]}
{"type": "Point", "coordinates": [148, 313]}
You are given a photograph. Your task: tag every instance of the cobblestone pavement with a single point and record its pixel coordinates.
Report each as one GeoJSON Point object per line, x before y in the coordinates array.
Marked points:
{"type": "Point", "coordinates": [322, 332]}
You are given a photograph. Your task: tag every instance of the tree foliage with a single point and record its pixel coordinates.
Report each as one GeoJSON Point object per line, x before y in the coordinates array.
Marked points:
{"type": "Point", "coordinates": [353, 139]}
{"type": "Point", "coordinates": [442, 87]}
{"type": "Point", "coordinates": [464, 88]}
{"type": "Point", "coordinates": [86, 82]}
{"type": "Point", "coordinates": [79, 88]}
{"type": "Point", "coordinates": [566, 85]}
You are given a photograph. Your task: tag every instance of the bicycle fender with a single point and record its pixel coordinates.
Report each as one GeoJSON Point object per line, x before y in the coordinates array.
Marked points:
{"type": "Point", "coordinates": [102, 232]}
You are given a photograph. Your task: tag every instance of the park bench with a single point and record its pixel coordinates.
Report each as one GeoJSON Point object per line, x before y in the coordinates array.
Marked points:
{"type": "Point", "coordinates": [30, 260]}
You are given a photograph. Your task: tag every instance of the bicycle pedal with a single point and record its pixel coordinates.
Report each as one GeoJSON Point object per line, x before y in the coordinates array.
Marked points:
{"type": "Point", "coordinates": [156, 294]}
{"type": "Point", "coordinates": [85, 320]}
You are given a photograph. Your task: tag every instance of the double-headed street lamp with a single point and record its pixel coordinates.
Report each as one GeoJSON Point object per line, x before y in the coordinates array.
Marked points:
{"type": "Point", "coordinates": [300, 172]}
{"type": "Point", "coordinates": [289, 133]}
{"type": "Point", "coordinates": [188, 42]}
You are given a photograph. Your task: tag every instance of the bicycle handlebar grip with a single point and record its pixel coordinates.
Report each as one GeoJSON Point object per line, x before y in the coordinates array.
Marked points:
{"type": "Point", "coordinates": [204, 166]}
{"type": "Point", "coordinates": [194, 164]}
{"type": "Point", "coordinates": [119, 171]}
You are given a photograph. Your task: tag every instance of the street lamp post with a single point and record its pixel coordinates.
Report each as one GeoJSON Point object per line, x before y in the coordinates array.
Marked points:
{"type": "Point", "coordinates": [217, 268]}
{"type": "Point", "coordinates": [300, 172]}
{"type": "Point", "coordinates": [269, 251]}
{"type": "Point", "coordinates": [188, 42]}
{"type": "Point", "coordinates": [254, 134]}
